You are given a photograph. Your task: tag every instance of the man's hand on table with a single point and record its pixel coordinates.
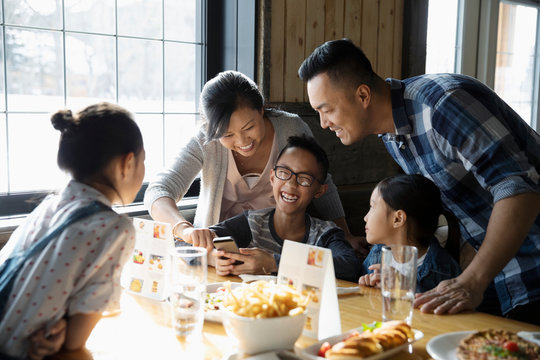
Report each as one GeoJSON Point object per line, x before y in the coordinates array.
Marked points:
{"type": "Point", "coordinates": [449, 297]}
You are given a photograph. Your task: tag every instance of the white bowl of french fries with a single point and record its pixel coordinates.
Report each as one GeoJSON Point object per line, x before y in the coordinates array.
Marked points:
{"type": "Point", "coordinates": [264, 316]}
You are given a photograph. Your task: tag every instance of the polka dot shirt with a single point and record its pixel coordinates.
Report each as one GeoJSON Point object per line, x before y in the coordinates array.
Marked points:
{"type": "Point", "coordinates": [78, 272]}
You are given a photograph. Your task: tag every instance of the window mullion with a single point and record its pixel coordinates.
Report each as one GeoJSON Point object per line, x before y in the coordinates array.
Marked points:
{"type": "Point", "coordinates": [535, 123]}
{"type": "Point", "coordinates": [6, 118]}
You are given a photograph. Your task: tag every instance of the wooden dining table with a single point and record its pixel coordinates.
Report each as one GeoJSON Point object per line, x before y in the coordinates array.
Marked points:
{"type": "Point", "coordinates": [142, 328]}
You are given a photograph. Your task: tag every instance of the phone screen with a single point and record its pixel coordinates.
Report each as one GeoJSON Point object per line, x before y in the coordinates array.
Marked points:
{"type": "Point", "coordinates": [227, 243]}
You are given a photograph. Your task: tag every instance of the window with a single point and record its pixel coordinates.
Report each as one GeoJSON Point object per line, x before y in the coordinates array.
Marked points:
{"type": "Point", "coordinates": [441, 36]}
{"type": "Point", "coordinates": [516, 79]}
{"type": "Point", "coordinates": [495, 42]}
{"type": "Point", "coordinates": [146, 55]}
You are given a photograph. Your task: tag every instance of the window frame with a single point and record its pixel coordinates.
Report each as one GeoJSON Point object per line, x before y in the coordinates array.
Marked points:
{"type": "Point", "coordinates": [228, 38]}
{"type": "Point", "coordinates": [477, 44]}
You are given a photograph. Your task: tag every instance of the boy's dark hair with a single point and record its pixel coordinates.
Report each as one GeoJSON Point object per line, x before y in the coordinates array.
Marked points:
{"type": "Point", "coordinates": [309, 144]}
{"type": "Point", "coordinates": [344, 62]}
{"type": "Point", "coordinates": [93, 137]}
{"type": "Point", "coordinates": [223, 95]}
{"type": "Point", "coordinates": [421, 200]}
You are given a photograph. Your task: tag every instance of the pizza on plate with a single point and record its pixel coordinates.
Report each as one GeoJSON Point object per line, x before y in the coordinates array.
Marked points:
{"type": "Point", "coordinates": [495, 344]}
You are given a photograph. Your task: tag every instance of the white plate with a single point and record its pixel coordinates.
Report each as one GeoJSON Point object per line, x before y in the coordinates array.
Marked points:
{"type": "Point", "coordinates": [249, 277]}
{"type": "Point", "coordinates": [311, 351]}
{"type": "Point", "coordinates": [271, 355]}
{"type": "Point", "coordinates": [444, 346]}
{"type": "Point", "coordinates": [530, 336]}
{"type": "Point", "coordinates": [215, 315]}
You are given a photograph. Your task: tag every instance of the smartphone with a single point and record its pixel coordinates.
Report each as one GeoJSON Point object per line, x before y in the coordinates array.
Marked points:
{"type": "Point", "coordinates": [226, 243]}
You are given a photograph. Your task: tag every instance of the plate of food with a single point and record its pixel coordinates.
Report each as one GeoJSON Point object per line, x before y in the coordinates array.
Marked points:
{"type": "Point", "coordinates": [533, 336]}
{"type": "Point", "coordinates": [369, 342]}
{"type": "Point", "coordinates": [492, 343]}
{"type": "Point", "coordinates": [214, 299]}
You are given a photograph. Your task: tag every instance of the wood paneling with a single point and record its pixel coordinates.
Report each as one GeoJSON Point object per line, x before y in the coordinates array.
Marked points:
{"type": "Point", "coordinates": [277, 51]}
{"type": "Point", "coordinates": [294, 49]}
{"type": "Point", "coordinates": [315, 32]}
{"type": "Point", "coordinates": [299, 26]}
{"type": "Point", "coordinates": [385, 39]}
{"type": "Point", "coordinates": [398, 39]}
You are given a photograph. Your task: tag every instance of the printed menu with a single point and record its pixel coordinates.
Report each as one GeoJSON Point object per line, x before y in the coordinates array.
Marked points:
{"type": "Point", "coordinates": [311, 270]}
{"type": "Point", "coordinates": [146, 271]}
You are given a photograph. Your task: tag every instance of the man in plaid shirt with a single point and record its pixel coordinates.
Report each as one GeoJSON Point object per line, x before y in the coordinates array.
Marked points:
{"type": "Point", "coordinates": [457, 132]}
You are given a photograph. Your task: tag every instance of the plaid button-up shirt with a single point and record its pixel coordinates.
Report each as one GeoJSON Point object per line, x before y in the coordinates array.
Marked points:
{"type": "Point", "coordinates": [477, 150]}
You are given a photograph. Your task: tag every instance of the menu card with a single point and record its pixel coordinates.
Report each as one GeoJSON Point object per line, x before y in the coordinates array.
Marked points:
{"type": "Point", "coordinates": [146, 271]}
{"type": "Point", "coordinates": [310, 269]}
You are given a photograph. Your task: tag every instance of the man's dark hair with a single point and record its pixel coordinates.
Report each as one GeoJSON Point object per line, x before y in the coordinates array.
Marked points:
{"type": "Point", "coordinates": [344, 62]}
{"type": "Point", "coordinates": [309, 144]}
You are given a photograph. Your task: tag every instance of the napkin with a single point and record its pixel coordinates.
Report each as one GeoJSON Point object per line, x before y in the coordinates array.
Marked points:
{"type": "Point", "coordinates": [250, 278]}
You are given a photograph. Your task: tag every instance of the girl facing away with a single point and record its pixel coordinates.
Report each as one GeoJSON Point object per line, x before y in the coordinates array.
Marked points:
{"type": "Point", "coordinates": [59, 293]}
{"type": "Point", "coordinates": [404, 210]}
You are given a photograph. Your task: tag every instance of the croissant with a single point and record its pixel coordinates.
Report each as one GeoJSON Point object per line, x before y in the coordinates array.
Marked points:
{"type": "Point", "coordinates": [397, 325]}
{"type": "Point", "coordinates": [389, 335]}
{"type": "Point", "coordinates": [390, 338]}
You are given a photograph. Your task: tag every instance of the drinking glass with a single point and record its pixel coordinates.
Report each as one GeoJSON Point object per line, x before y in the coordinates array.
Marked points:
{"type": "Point", "coordinates": [188, 290]}
{"type": "Point", "coordinates": [398, 282]}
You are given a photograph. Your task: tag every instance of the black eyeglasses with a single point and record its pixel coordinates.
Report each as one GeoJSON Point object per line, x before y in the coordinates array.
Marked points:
{"type": "Point", "coordinates": [302, 179]}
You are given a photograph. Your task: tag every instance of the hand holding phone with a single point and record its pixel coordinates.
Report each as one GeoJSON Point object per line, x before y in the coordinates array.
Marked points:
{"type": "Point", "coordinates": [226, 243]}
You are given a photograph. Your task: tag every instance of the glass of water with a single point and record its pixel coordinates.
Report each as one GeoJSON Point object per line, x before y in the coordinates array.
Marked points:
{"type": "Point", "coordinates": [188, 290]}
{"type": "Point", "coordinates": [398, 282]}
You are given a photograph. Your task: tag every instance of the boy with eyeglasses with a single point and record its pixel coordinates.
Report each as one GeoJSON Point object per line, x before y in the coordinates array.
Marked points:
{"type": "Point", "coordinates": [296, 179]}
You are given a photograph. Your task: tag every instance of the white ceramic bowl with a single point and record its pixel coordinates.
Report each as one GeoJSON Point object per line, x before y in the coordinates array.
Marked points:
{"type": "Point", "coordinates": [259, 335]}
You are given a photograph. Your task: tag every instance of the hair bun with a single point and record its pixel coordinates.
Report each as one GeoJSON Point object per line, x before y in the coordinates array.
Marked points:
{"type": "Point", "coordinates": [63, 120]}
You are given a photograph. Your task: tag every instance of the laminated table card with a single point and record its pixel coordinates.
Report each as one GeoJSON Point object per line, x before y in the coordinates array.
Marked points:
{"type": "Point", "coordinates": [310, 269]}
{"type": "Point", "coordinates": [146, 271]}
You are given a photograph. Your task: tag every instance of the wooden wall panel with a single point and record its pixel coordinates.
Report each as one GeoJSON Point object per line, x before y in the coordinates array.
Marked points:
{"type": "Point", "coordinates": [277, 51]}
{"type": "Point", "coordinates": [352, 28]}
{"type": "Point", "coordinates": [385, 39]}
{"type": "Point", "coordinates": [398, 39]}
{"type": "Point", "coordinates": [370, 30]}
{"type": "Point", "coordinates": [315, 25]}
{"type": "Point", "coordinates": [333, 16]}
{"type": "Point", "coordinates": [314, 28]}
{"type": "Point", "coordinates": [294, 49]}
{"type": "Point", "coordinates": [299, 26]}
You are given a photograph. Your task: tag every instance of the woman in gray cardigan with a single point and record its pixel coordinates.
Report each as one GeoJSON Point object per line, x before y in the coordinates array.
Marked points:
{"type": "Point", "coordinates": [234, 151]}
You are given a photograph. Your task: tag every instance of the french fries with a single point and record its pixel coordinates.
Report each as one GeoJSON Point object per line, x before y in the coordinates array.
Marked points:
{"type": "Point", "coordinates": [263, 299]}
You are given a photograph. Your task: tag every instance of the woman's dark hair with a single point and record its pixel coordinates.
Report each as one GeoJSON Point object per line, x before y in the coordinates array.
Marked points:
{"type": "Point", "coordinates": [223, 95]}
{"type": "Point", "coordinates": [91, 138]}
{"type": "Point", "coordinates": [344, 62]}
{"type": "Point", "coordinates": [309, 144]}
{"type": "Point", "coordinates": [421, 200]}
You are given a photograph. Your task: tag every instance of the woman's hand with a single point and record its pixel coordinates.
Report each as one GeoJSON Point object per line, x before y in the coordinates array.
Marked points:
{"type": "Point", "coordinates": [255, 261]}
{"type": "Point", "coordinates": [41, 345]}
{"type": "Point", "coordinates": [372, 279]}
{"type": "Point", "coordinates": [200, 237]}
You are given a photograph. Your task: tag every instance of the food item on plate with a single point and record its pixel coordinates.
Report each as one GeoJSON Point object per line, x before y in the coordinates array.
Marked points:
{"type": "Point", "coordinates": [214, 300]}
{"type": "Point", "coordinates": [263, 299]}
{"type": "Point", "coordinates": [496, 344]}
{"type": "Point", "coordinates": [370, 342]}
